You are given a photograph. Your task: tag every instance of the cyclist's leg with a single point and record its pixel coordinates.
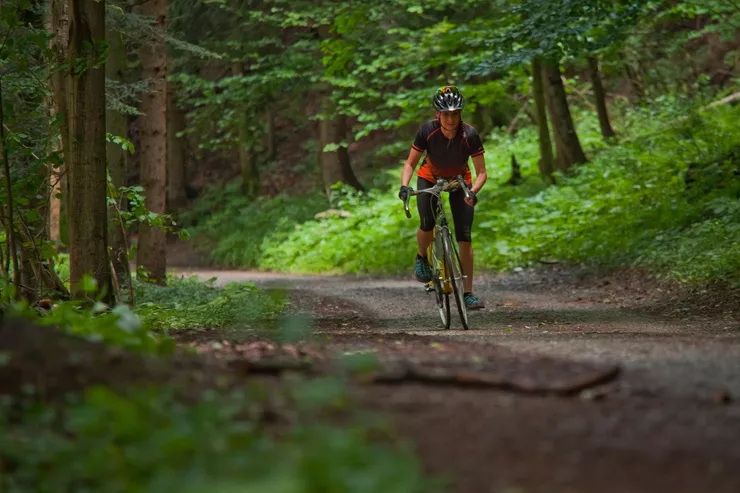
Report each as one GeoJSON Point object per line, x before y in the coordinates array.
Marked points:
{"type": "Point", "coordinates": [425, 204]}
{"type": "Point", "coordinates": [462, 215]}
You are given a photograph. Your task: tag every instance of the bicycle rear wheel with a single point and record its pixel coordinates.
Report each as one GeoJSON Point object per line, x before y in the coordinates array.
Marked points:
{"type": "Point", "coordinates": [454, 268]}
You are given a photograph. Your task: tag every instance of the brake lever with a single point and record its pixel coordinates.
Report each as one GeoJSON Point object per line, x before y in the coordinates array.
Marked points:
{"type": "Point", "coordinates": [406, 203]}
{"type": "Point", "coordinates": [461, 182]}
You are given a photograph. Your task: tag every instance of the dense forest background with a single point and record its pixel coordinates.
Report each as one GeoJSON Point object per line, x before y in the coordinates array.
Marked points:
{"type": "Point", "coordinates": [270, 135]}
{"type": "Point", "coordinates": [274, 132]}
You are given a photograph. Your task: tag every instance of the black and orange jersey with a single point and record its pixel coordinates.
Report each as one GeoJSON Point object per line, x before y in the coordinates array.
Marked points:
{"type": "Point", "coordinates": [447, 158]}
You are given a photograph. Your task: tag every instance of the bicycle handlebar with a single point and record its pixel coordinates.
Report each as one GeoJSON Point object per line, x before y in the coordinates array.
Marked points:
{"type": "Point", "coordinates": [441, 186]}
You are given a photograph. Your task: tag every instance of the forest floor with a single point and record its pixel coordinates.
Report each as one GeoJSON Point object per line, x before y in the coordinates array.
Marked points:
{"type": "Point", "coordinates": [568, 381]}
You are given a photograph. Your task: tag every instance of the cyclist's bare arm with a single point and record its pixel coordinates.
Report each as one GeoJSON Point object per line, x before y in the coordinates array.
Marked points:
{"type": "Point", "coordinates": [410, 166]}
{"type": "Point", "coordinates": [479, 163]}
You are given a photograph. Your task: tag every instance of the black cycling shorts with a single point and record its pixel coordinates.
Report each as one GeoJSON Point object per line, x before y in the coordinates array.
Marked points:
{"type": "Point", "coordinates": [462, 213]}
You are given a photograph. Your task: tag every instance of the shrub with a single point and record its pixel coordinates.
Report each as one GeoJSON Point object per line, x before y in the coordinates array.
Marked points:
{"type": "Point", "coordinates": [658, 188]}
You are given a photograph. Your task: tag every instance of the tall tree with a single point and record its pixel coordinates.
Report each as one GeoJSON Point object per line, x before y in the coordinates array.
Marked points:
{"type": "Point", "coordinates": [600, 98]}
{"type": "Point", "coordinates": [54, 211]}
{"type": "Point", "coordinates": [245, 144]}
{"type": "Point", "coordinates": [545, 162]}
{"type": "Point", "coordinates": [151, 250]}
{"type": "Point", "coordinates": [562, 122]}
{"type": "Point", "coordinates": [333, 153]}
{"type": "Point", "coordinates": [59, 85]}
{"type": "Point", "coordinates": [85, 159]}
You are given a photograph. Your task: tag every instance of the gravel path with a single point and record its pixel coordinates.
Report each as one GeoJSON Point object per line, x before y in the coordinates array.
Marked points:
{"type": "Point", "coordinates": [670, 422]}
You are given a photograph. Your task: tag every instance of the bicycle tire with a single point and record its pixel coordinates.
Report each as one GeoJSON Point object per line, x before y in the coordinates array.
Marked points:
{"type": "Point", "coordinates": [442, 299]}
{"type": "Point", "coordinates": [456, 278]}
{"type": "Point", "coordinates": [443, 304]}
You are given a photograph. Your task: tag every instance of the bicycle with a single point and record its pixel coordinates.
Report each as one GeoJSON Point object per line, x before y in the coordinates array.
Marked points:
{"type": "Point", "coordinates": [447, 271]}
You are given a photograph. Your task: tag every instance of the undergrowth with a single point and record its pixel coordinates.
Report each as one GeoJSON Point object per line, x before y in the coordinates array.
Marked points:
{"type": "Point", "coordinates": [185, 303]}
{"type": "Point", "coordinates": [665, 198]}
{"type": "Point", "coordinates": [263, 437]}
{"type": "Point", "coordinates": [148, 440]}
{"type": "Point", "coordinates": [189, 303]}
{"type": "Point", "coordinates": [235, 231]}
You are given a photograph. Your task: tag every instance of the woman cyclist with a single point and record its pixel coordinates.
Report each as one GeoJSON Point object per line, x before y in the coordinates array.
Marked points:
{"type": "Point", "coordinates": [448, 142]}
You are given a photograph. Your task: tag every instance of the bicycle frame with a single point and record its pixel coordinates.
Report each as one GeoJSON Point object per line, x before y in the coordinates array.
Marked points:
{"type": "Point", "coordinates": [440, 222]}
{"type": "Point", "coordinates": [435, 248]}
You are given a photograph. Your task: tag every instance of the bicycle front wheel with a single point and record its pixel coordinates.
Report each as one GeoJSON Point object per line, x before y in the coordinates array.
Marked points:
{"type": "Point", "coordinates": [455, 271]}
{"type": "Point", "coordinates": [443, 303]}
{"type": "Point", "coordinates": [436, 256]}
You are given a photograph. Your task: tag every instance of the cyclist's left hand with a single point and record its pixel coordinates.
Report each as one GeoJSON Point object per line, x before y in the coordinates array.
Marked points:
{"type": "Point", "coordinates": [472, 200]}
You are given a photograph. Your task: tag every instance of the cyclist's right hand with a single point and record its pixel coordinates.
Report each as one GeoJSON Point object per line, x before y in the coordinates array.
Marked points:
{"type": "Point", "coordinates": [403, 193]}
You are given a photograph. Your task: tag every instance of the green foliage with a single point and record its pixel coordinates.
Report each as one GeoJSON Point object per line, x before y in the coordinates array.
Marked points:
{"type": "Point", "coordinates": [236, 231]}
{"type": "Point", "coordinates": [185, 303]}
{"type": "Point", "coordinates": [188, 303]}
{"type": "Point", "coordinates": [149, 441]}
{"type": "Point", "coordinates": [25, 65]}
{"type": "Point", "coordinates": [119, 327]}
{"type": "Point", "coordinates": [634, 203]}
{"type": "Point", "coordinates": [372, 239]}
{"type": "Point", "coordinates": [702, 252]}
{"type": "Point", "coordinates": [136, 212]}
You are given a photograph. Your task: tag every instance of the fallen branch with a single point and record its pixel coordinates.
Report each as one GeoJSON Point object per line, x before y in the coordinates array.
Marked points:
{"type": "Point", "coordinates": [437, 376]}
{"type": "Point", "coordinates": [272, 366]}
{"type": "Point", "coordinates": [408, 373]}
{"type": "Point", "coordinates": [726, 100]}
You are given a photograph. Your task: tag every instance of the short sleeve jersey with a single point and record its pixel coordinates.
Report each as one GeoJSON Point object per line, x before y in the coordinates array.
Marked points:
{"type": "Point", "coordinates": [447, 158]}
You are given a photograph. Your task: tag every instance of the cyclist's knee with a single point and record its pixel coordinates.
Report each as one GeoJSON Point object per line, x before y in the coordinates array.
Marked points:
{"type": "Point", "coordinates": [463, 236]}
{"type": "Point", "coordinates": [426, 226]}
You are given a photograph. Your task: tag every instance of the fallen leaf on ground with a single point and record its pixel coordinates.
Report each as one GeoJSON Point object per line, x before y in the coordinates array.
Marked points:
{"type": "Point", "coordinates": [511, 303]}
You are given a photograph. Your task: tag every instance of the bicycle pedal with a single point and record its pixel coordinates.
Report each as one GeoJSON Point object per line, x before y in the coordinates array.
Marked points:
{"type": "Point", "coordinates": [429, 289]}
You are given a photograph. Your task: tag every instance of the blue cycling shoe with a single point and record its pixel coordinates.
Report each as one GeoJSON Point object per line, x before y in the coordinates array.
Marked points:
{"type": "Point", "coordinates": [472, 302]}
{"type": "Point", "coordinates": [422, 269]}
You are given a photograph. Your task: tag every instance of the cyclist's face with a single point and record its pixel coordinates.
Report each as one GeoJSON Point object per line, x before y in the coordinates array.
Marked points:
{"type": "Point", "coordinates": [449, 119]}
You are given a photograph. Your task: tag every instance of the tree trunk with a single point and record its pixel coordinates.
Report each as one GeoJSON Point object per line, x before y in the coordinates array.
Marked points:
{"type": "Point", "coordinates": [600, 98]}
{"type": "Point", "coordinates": [8, 216]}
{"type": "Point", "coordinates": [176, 166]}
{"type": "Point", "coordinates": [637, 87]}
{"type": "Point", "coordinates": [55, 206]}
{"type": "Point", "coordinates": [271, 138]}
{"type": "Point", "coordinates": [247, 161]}
{"type": "Point", "coordinates": [59, 85]}
{"type": "Point", "coordinates": [86, 167]}
{"type": "Point", "coordinates": [561, 118]}
{"type": "Point", "coordinates": [545, 162]}
{"type": "Point", "coordinates": [116, 157]}
{"type": "Point", "coordinates": [335, 164]}
{"type": "Point", "coordinates": [151, 252]}
{"type": "Point", "coordinates": [559, 161]}
{"type": "Point", "coordinates": [516, 172]}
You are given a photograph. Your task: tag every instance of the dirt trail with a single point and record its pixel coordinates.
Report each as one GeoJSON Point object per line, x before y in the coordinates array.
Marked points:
{"type": "Point", "coordinates": [669, 422]}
